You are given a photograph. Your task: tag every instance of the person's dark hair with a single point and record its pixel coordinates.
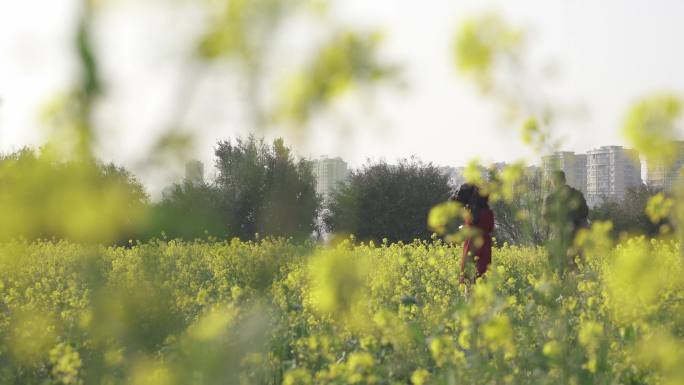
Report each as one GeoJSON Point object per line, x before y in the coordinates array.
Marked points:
{"type": "Point", "coordinates": [466, 194]}
{"type": "Point", "coordinates": [483, 201]}
{"type": "Point", "coordinates": [469, 196]}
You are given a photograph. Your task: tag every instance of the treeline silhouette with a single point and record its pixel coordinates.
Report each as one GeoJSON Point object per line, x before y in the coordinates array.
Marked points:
{"type": "Point", "coordinates": [382, 201]}
{"type": "Point", "coordinates": [260, 189]}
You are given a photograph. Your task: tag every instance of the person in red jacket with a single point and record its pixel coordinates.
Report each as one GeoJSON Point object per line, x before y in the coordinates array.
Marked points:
{"type": "Point", "coordinates": [478, 247]}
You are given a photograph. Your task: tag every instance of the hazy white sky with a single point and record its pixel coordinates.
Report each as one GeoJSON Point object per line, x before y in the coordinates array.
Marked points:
{"type": "Point", "coordinates": [606, 54]}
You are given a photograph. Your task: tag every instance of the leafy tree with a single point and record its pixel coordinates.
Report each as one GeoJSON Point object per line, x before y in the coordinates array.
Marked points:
{"type": "Point", "coordinates": [263, 190]}
{"type": "Point", "coordinates": [44, 196]}
{"type": "Point", "coordinates": [188, 211]}
{"type": "Point", "coordinates": [628, 216]}
{"type": "Point", "coordinates": [388, 201]}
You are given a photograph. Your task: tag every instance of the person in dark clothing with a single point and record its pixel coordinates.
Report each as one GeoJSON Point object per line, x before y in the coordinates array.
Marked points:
{"type": "Point", "coordinates": [478, 246]}
{"type": "Point", "coordinates": [565, 211]}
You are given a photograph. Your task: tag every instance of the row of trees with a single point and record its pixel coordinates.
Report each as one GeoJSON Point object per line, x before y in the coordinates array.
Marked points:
{"type": "Point", "coordinates": [629, 216]}
{"type": "Point", "coordinates": [261, 189]}
{"type": "Point", "coordinates": [44, 196]}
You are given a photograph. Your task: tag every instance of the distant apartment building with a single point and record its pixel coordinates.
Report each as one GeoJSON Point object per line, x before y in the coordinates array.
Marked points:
{"type": "Point", "coordinates": [611, 170]}
{"type": "Point", "coordinates": [329, 172]}
{"type": "Point", "coordinates": [663, 176]}
{"type": "Point", "coordinates": [573, 165]}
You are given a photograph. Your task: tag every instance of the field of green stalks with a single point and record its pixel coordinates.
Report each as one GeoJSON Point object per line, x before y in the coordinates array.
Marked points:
{"type": "Point", "coordinates": [274, 312]}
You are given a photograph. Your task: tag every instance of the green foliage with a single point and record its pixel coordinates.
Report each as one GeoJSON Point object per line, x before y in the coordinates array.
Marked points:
{"type": "Point", "coordinates": [348, 60]}
{"type": "Point", "coordinates": [651, 127]}
{"type": "Point", "coordinates": [189, 211]}
{"type": "Point", "coordinates": [260, 189]}
{"type": "Point", "coordinates": [659, 207]}
{"type": "Point", "coordinates": [42, 196]}
{"type": "Point", "coordinates": [241, 28]}
{"type": "Point", "coordinates": [382, 201]}
{"type": "Point", "coordinates": [631, 216]}
{"type": "Point", "coordinates": [537, 134]}
{"type": "Point", "coordinates": [489, 52]}
{"type": "Point", "coordinates": [154, 313]}
{"type": "Point", "coordinates": [273, 312]}
{"type": "Point", "coordinates": [263, 190]}
{"type": "Point", "coordinates": [441, 216]}
{"type": "Point", "coordinates": [481, 43]}
{"type": "Point", "coordinates": [246, 31]}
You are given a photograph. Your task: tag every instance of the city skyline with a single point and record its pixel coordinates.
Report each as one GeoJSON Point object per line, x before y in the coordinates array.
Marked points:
{"type": "Point", "coordinates": [604, 172]}
{"type": "Point", "coordinates": [338, 168]}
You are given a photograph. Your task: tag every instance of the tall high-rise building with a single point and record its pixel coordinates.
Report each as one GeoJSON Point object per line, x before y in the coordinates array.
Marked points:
{"type": "Point", "coordinates": [329, 172]}
{"type": "Point", "coordinates": [573, 165]}
{"type": "Point", "coordinates": [611, 170]}
{"type": "Point", "coordinates": [663, 176]}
